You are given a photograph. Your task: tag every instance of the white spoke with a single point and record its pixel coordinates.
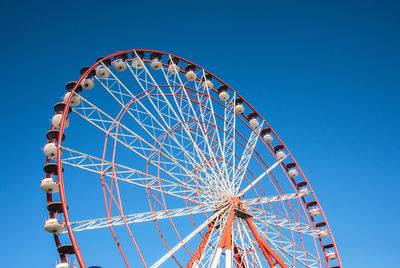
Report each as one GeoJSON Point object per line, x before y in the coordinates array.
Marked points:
{"type": "Point", "coordinates": [228, 150]}
{"type": "Point", "coordinates": [251, 185]}
{"type": "Point", "coordinates": [269, 199]}
{"type": "Point", "coordinates": [134, 142]}
{"type": "Point", "coordinates": [282, 222]}
{"type": "Point", "coordinates": [276, 239]}
{"type": "Point", "coordinates": [193, 116]}
{"type": "Point", "coordinates": [211, 121]}
{"type": "Point", "coordinates": [185, 126]}
{"type": "Point", "coordinates": [246, 156]}
{"type": "Point", "coordinates": [138, 217]}
{"type": "Point", "coordinates": [147, 112]}
{"type": "Point", "coordinates": [240, 241]}
{"type": "Point", "coordinates": [251, 243]}
{"type": "Point", "coordinates": [130, 175]}
{"type": "Point", "coordinates": [218, 251]}
{"type": "Point", "coordinates": [186, 239]}
{"type": "Point", "coordinates": [167, 111]}
{"type": "Point", "coordinates": [206, 257]}
{"type": "Point", "coordinates": [148, 121]}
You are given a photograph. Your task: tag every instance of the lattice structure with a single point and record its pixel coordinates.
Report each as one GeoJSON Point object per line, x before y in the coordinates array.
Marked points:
{"type": "Point", "coordinates": [190, 173]}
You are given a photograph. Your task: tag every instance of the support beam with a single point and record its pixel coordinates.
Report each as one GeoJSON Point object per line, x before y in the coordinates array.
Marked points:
{"type": "Point", "coordinates": [217, 256]}
{"type": "Point", "coordinates": [267, 251]}
{"type": "Point", "coordinates": [238, 257]}
{"type": "Point", "coordinates": [189, 237]}
{"type": "Point", "coordinates": [199, 252]}
{"type": "Point", "coordinates": [226, 241]}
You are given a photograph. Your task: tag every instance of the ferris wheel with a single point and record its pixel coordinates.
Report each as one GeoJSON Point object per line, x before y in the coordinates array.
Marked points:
{"type": "Point", "coordinates": [165, 165]}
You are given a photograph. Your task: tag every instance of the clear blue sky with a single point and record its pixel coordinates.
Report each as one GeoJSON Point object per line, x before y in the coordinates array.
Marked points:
{"type": "Point", "coordinates": [325, 74]}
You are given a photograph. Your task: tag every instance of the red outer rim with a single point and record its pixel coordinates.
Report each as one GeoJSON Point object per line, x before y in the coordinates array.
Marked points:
{"type": "Point", "coordinates": [61, 132]}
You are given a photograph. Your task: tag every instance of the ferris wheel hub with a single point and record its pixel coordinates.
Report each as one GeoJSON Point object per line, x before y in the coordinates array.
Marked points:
{"type": "Point", "coordinates": [242, 214]}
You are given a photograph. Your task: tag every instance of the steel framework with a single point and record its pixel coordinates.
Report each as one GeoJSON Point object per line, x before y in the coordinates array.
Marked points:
{"type": "Point", "coordinates": [205, 171]}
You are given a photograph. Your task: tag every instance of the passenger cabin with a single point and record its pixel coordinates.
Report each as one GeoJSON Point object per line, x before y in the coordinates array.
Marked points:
{"type": "Point", "coordinates": [137, 59]}
{"type": "Point", "coordinates": [279, 152]}
{"type": "Point", "coordinates": [303, 190]}
{"type": "Point", "coordinates": [207, 81]}
{"type": "Point", "coordinates": [102, 70]}
{"type": "Point", "coordinates": [266, 135]}
{"type": "Point", "coordinates": [239, 108]}
{"type": "Point", "coordinates": [292, 171]}
{"type": "Point", "coordinates": [330, 251]}
{"type": "Point", "coordinates": [190, 72]}
{"type": "Point", "coordinates": [173, 65]}
{"type": "Point", "coordinates": [155, 63]}
{"type": "Point", "coordinates": [313, 208]}
{"type": "Point", "coordinates": [322, 230]}
{"type": "Point", "coordinates": [253, 120]}
{"type": "Point", "coordinates": [223, 93]}
{"type": "Point", "coordinates": [88, 81]}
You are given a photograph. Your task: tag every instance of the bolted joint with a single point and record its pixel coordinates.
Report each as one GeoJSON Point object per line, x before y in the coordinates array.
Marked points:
{"type": "Point", "coordinates": [242, 214]}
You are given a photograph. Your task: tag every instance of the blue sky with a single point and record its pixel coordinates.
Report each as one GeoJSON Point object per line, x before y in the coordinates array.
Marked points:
{"type": "Point", "coordinates": [325, 74]}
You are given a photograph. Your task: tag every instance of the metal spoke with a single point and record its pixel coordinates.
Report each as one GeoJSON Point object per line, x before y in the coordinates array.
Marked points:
{"type": "Point", "coordinates": [246, 156]}
{"type": "Point", "coordinates": [133, 176]}
{"type": "Point", "coordinates": [184, 124]}
{"type": "Point", "coordinates": [148, 121]}
{"type": "Point", "coordinates": [251, 243]}
{"type": "Point", "coordinates": [269, 199]}
{"type": "Point", "coordinates": [251, 185]}
{"type": "Point", "coordinates": [134, 142]}
{"type": "Point", "coordinates": [193, 115]}
{"type": "Point", "coordinates": [186, 239]}
{"type": "Point", "coordinates": [286, 250]}
{"type": "Point", "coordinates": [282, 222]}
{"type": "Point", "coordinates": [229, 134]}
{"type": "Point", "coordinates": [139, 217]}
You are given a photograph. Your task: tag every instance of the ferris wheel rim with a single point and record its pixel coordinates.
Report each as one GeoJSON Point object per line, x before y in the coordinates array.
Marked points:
{"type": "Point", "coordinates": [61, 135]}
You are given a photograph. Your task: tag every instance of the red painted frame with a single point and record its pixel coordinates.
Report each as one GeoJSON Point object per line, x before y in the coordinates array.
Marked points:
{"type": "Point", "coordinates": [59, 162]}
